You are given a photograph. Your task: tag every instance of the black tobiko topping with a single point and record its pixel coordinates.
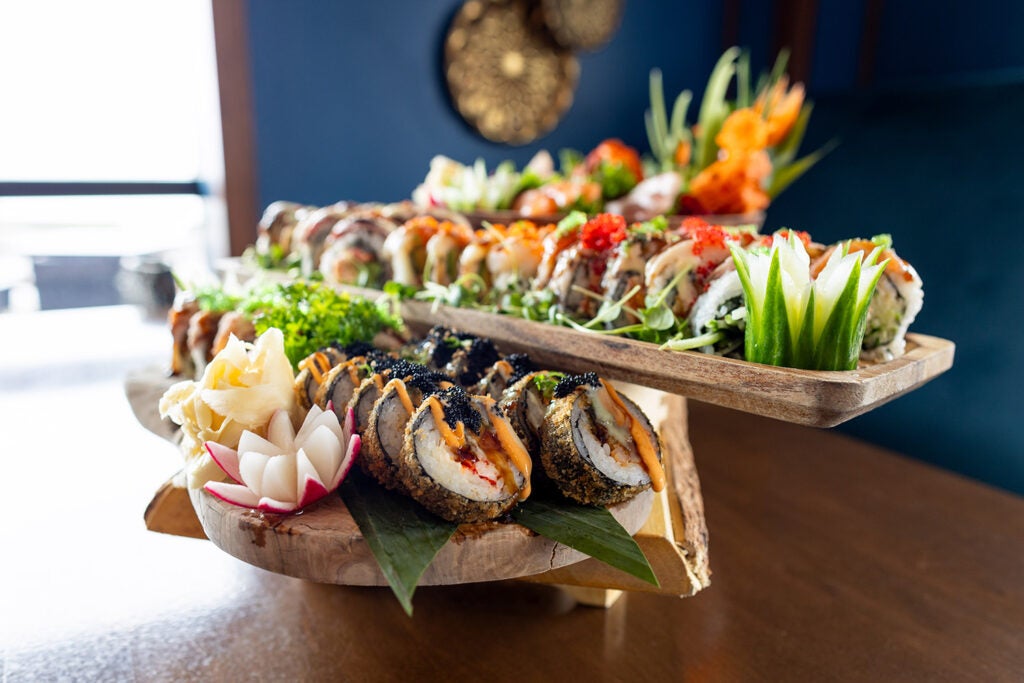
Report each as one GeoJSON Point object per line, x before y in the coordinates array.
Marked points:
{"type": "Point", "coordinates": [521, 366]}
{"type": "Point", "coordinates": [569, 383]}
{"type": "Point", "coordinates": [458, 408]}
{"type": "Point", "coordinates": [380, 363]}
{"type": "Point", "coordinates": [480, 356]}
{"type": "Point", "coordinates": [439, 345]}
{"type": "Point", "coordinates": [428, 381]}
{"type": "Point", "coordinates": [358, 348]}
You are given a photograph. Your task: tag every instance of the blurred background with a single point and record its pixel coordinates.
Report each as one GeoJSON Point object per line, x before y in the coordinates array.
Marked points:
{"type": "Point", "coordinates": [136, 136]}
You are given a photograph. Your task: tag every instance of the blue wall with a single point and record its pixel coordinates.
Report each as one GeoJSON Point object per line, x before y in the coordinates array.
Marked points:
{"type": "Point", "coordinates": [350, 100]}
{"type": "Point", "coordinates": [346, 108]}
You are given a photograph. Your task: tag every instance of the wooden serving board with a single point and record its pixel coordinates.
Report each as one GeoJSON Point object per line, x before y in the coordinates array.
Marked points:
{"type": "Point", "coordinates": [808, 397]}
{"type": "Point", "coordinates": [323, 543]}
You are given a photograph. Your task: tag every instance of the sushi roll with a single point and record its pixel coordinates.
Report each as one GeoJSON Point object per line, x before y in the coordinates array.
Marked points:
{"type": "Point", "coordinates": [179, 318]}
{"type": "Point", "coordinates": [626, 267]}
{"type": "Point", "coordinates": [310, 234]}
{"type": "Point", "coordinates": [385, 428]}
{"type": "Point", "coordinates": [679, 273]}
{"type": "Point", "coordinates": [576, 279]}
{"type": "Point", "coordinates": [502, 375]}
{"type": "Point", "coordinates": [461, 459]}
{"type": "Point", "coordinates": [597, 446]}
{"type": "Point", "coordinates": [898, 298]}
{"type": "Point", "coordinates": [202, 330]}
{"type": "Point", "coordinates": [443, 250]}
{"type": "Point", "coordinates": [718, 316]}
{"type": "Point", "coordinates": [353, 250]}
{"type": "Point", "coordinates": [525, 402]}
{"type": "Point", "coordinates": [312, 370]}
{"type": "Point", "coordinates": [405, 250]}
{"type": "Point", "coordinates": [463, 357]}
{"type": "Point", "coordinates": [276, 227]}
{"type": "Point", "coordinates": [340, 383]}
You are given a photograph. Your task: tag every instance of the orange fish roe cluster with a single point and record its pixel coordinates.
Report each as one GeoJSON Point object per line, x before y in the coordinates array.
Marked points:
{"type": "Point", "coordinates": [603, 231]}
{"type": "Point", "coordinates": [708, 237]}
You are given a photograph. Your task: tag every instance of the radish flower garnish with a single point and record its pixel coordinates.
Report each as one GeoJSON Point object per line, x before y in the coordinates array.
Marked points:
{"type": "Point", "coordinates": [796, 321]}
{"type": "Point", "coordinates": [287, 470]}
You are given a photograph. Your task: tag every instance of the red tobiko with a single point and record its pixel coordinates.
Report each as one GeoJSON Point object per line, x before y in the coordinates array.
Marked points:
{"type": "Point", "coordinates": [603, 231]}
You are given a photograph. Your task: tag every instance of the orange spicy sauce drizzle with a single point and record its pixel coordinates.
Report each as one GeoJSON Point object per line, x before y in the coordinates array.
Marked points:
{"type": "Point", "coordinates": [642, 439]}
{"type": "Point", "coordinates": [510, 448]}
{"type": "Point", "coordinates": [403, 394]}
{"type": "Point", "coordinates": [317, 364]}
{"type": "Point", "coordinates": [353, 374]}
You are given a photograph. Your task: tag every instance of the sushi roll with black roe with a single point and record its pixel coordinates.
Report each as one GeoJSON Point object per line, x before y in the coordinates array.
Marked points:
{"type": "Point", "coordinates": [597, 446]}
{"type": "Point", "coordinates": [312, 370]}
{"type": "Point", "coordinates": [461, 458]}
{"type": "Point", "coordinates": [525, 403]}
{"type": "Point", "coordinates": [385, 431]}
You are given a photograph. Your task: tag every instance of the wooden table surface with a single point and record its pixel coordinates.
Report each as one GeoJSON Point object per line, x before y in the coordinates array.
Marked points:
{"type": "Point", "coordinates": [832, 560]}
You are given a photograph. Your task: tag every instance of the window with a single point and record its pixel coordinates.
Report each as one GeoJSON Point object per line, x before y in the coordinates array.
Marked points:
{"type": "Point", "coordinates": [109, 134]}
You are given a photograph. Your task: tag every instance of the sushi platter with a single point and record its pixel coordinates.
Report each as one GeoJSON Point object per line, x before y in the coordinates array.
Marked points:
{"type": "Point", "coordinates": [324, 545]}
{"type": "Point", "coordinates": [507, 357]}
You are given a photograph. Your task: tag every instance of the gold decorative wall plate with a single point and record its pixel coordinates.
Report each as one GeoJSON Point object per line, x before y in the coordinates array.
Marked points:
{"type": "Point", "coordinates": [582, 24]}
{"type": "Point", "coordinates": [507, 76]}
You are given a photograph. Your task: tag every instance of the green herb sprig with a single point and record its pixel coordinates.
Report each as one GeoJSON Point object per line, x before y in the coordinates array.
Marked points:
{"type": "Point", "coordinates": [312, 315]}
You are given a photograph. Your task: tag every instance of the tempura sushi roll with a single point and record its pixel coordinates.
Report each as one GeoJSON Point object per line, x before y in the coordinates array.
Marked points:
{"type": "Point", "coordinates": [503, 374]}
{"type": "Point", "coordinates": [385, 429]}
{"type": "Point", "coordinates": [525, 403]}
{"type": "Point", "coordinates": [385, 432]}
{"type": "Point", "coordinates": [464, 357]}
{"type": "Point", "coordinates": [461, 459]}
{"type": "Point", "coordinates": [340, 383]}
{"type": "Point", "coordinates": [598, 446]}
{"type": "Point", "coordinates": [312, 370]}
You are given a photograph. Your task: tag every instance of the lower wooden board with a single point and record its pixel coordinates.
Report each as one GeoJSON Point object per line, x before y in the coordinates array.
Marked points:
{"type": "Point", "coordinates": [809, 397]}
{"type": "Point", "coordinates": [323, 544]}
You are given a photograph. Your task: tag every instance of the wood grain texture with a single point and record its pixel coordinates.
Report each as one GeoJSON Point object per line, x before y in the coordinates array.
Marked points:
{"type": "Point", "coordinates": [171, 512]}
{"type": "Point", "coordinates": [808, 397]}
{"type": "Point", "coordinates": [323, 544]}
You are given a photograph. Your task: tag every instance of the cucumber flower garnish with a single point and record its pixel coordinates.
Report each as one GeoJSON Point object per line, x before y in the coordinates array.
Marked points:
{"type": "Point", "coordinates": [796, 321]}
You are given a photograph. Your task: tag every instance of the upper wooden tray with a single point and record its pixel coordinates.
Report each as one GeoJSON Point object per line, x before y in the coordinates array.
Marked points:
{"type": "Point", "coordinates": [808, 397]}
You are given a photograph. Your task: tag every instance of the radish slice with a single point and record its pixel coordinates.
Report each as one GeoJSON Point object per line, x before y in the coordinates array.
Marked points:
{"type": "Point", "coordinates": [236, 494]}
{"type": "Point", "coordinates": [226, 459]}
